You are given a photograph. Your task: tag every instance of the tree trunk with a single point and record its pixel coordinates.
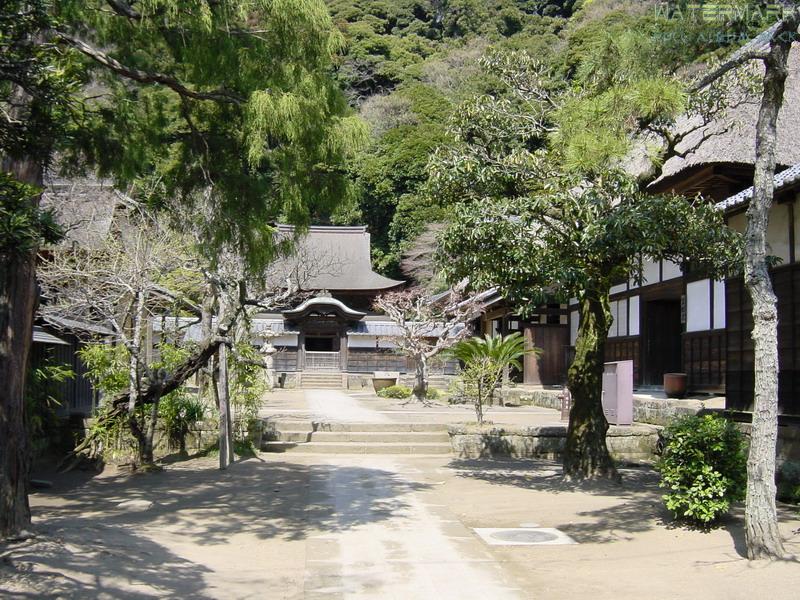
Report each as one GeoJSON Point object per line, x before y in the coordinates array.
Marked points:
{"type": "Point", "coordinates": [204, 377]}
{"type": "Point", "coordinates": [762, 535]}
{"type": "Point", "coordinates": [479, 402]}
{"type": "Point", "coordinates": [18, 298]}
{"type": "Point", "coordinates": [225, 442]}
{"type": "Point", "coordinates": [421, 378]}
{"type": "Point", "coordinates": [148, 456]}
{"type": "Point", "coordinates": [586, 455]}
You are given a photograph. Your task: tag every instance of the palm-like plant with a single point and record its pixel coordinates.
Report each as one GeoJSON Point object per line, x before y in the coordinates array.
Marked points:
{"type": "Point", "coordinates": [485, 359]}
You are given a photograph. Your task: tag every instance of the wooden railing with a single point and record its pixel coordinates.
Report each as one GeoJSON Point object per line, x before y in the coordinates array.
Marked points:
{"type": "Point", "coordinates": [322, 361]}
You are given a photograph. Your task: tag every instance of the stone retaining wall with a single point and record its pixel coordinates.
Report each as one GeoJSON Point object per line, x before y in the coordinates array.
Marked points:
{"type": "Point", "coordinates": [202, 435]}
{"type": "Point", "coordinates": [654, 411]}
{"type": "Point", "coordinates": [636, 443]}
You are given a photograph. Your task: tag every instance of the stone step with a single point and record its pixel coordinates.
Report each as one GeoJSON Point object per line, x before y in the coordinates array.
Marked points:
{"type": "Point", "coordinates": [408, 437]}
{"type": "Point", "coordinates": [293, 436]}
{"type": "Point", "coordinates": [358, 448]}
{"type": "Point", "coordinates": [288, 425]}
{"type": "Point", "coordinates": [332, 380]}
{"type": "Point", "coordinates": [372, 427]}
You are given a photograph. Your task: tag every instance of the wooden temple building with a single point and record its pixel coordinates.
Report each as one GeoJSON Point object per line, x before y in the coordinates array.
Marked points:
{"type": "Point", "coordinates": [681, 321]}
{"type": "Point", "coordinates": [333, 337]}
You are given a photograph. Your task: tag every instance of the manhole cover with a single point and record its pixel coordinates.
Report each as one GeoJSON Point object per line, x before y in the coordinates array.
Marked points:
{"type": "Point", "coordinates": [525, 536]}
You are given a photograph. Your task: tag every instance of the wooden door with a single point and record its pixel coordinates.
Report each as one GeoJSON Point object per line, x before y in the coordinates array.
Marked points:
{"type": "Point", "coordinates": [662, 344]}
{"type": "Point", "coordinates": [549, 368]}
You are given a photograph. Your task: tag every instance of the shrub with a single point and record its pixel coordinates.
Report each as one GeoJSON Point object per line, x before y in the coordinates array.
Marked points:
{"type": "Point", "coordinates": [395, 391]}
{"type": "Point", "coordinates": [433, 394]}
{"type": "Point", "coordinates": [704, 465]}
{"type": "Point", "coordinates": [179, 412]}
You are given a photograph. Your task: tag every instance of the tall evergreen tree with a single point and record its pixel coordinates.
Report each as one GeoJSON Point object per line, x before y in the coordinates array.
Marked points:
{"type": "Point", "coordinates": [225, 104]}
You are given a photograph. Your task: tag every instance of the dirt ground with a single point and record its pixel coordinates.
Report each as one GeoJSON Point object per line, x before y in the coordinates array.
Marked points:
{"type": "Point", "coordinates": [295, 526]}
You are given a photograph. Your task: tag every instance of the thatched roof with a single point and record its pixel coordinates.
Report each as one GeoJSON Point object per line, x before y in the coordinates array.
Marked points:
{"type": "Point", "coordinates": [338, 259]}
{"type": "Point", "coordinates": [83, 206]}
{"type": "Point", "coordinates": [730, 139]}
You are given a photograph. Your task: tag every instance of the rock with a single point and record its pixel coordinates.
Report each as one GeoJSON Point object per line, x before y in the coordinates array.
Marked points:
{"type": "Point", "coordinates": [135, 505]}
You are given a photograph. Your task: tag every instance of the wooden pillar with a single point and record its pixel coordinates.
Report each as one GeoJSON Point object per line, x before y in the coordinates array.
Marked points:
{"type": "Point", "coordinates": [301, 351]}
{"type": "Point", "coordinates": [343, 347]}
{"type": "Point", "coordinates": [530, 370]}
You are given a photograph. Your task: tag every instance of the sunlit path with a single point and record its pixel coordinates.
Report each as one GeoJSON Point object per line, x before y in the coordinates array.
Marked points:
{"type": "Point", "coordinates": [333, 405]}
{"type": "Point", "coordinates": [391, 541]}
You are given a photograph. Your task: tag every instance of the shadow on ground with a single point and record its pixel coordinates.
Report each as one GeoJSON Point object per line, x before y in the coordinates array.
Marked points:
{"type": "Point", "coordinates": [95, 539]}
{"type": "Point", "coordinates": [629, 508]}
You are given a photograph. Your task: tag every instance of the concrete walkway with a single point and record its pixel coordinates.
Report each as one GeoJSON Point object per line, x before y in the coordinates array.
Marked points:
{"type": "Point", "coordinates": [390, 541]}
{"type": "Point", "coordinates": [358, 407]}
{"type": "Point", "coordinates": [334, 405]}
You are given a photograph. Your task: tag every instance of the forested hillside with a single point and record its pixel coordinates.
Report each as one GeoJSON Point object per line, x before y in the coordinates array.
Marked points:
{"type": "Point", "coordinates": [409, 65]}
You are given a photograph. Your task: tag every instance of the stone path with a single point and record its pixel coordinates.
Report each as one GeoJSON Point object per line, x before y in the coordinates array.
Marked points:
{"type": "Point", "coordinates": [390, 541]}
{"type": "Point", "coordinates": [333, 405]}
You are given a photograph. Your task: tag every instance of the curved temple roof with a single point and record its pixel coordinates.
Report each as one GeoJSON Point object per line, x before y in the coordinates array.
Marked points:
{"type": "Point", "coordinates": [324, 305]}
{"type": "Point", "coordinates": [337, 259]}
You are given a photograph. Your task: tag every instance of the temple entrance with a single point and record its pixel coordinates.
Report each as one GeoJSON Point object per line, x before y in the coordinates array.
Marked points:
{"type": "Point", "coordinates": [322, 352]}
{"type": "Point", "coordinates": [321, 343]}
{"type": "Point", "coordinates": [662, 352]}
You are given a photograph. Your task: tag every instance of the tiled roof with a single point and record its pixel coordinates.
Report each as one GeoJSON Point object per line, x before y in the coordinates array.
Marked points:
{"type": "Point", "coordinates": [333, 258]}
{"type": "Point", "coordinates": [782, 180]}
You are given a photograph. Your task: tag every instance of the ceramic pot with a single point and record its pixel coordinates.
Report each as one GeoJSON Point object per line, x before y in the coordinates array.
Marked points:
{"type": "Point", "coordinates": [675, 385]}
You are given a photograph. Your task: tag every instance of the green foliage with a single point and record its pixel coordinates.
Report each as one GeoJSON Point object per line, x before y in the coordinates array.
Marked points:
{"type": "Point", "coordinates": [258, 131]}
{"type": "Point", "coordinates": [23, 225]}
{"type": "Point", "coordinates": [179, 412]}
{"type": "Point", "coordinates": [564, 240]}
{"type": "Point", "coordinates": [42, 400]}
{"type": "Point", "coordinates": [433, 394]}
{"type": "Point", "coordinates": [524, 225]}
{"type": "Point", "coordinates": [111, 436]}
{"type": "Point", "coordinates": [248, 385]}
{"type": "Point", "coordinates": [704, 465]}
{"type": "Point", "coordinates": [388, 42]}
{"type": "Point", "coordinates": [399, 392]}
{"type": "Point", "coordinates": [485, 359]}
{"type": "Point", "coordinates": [106, 367]}
{"type": "Point", "coordinates": [108, 370]}
{"type": "Point", "coordinates": [48, 77]}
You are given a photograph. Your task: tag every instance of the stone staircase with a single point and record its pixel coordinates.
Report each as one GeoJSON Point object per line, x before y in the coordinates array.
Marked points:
{"type": "Point", "coordinates": [284, 435]}
{"type": "Point", "coordinates": [331, 380]}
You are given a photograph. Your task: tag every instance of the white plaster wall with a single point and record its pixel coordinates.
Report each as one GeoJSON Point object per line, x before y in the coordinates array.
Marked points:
{"type": "Point", "coordinates": [719, 305]}
{"type": "Point", "coordinates": [361, 341]}
{"type": "Point", "coordinates": [651, 272]}
{"type": "Point", "coordinates": [698, 306]}
{"type": "Point", "coordinates": [618, 289]}
{"type": "Point", "coordinates": [612, 331]}
{"type": "Point", "coordinates": [622, 318]}
{"type": "Point", "coordinates": [573, 327]}
{"type": "Point", "coordinates": [778, 232]}
{"type": "Point", "coordinates": [633, 315]}
{"type": "Point", "coordinates": [738, 222]}
{"type": "Point", "coordinates": [285, 340]}
{"type": "Point", "coordinates": [368, 341]}
{"type": "Point", "coordinates": [671, 270]}
{"type": "Point", "coordinates": [796, 228]}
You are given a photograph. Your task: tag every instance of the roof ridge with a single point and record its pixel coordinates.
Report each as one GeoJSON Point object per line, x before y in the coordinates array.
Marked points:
{"type": "Point", "coordinates": [781, 180]}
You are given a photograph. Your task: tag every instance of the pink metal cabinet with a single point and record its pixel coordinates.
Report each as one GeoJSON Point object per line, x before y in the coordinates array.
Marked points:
{"type": "Point", "coordinates": [618, 392]}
